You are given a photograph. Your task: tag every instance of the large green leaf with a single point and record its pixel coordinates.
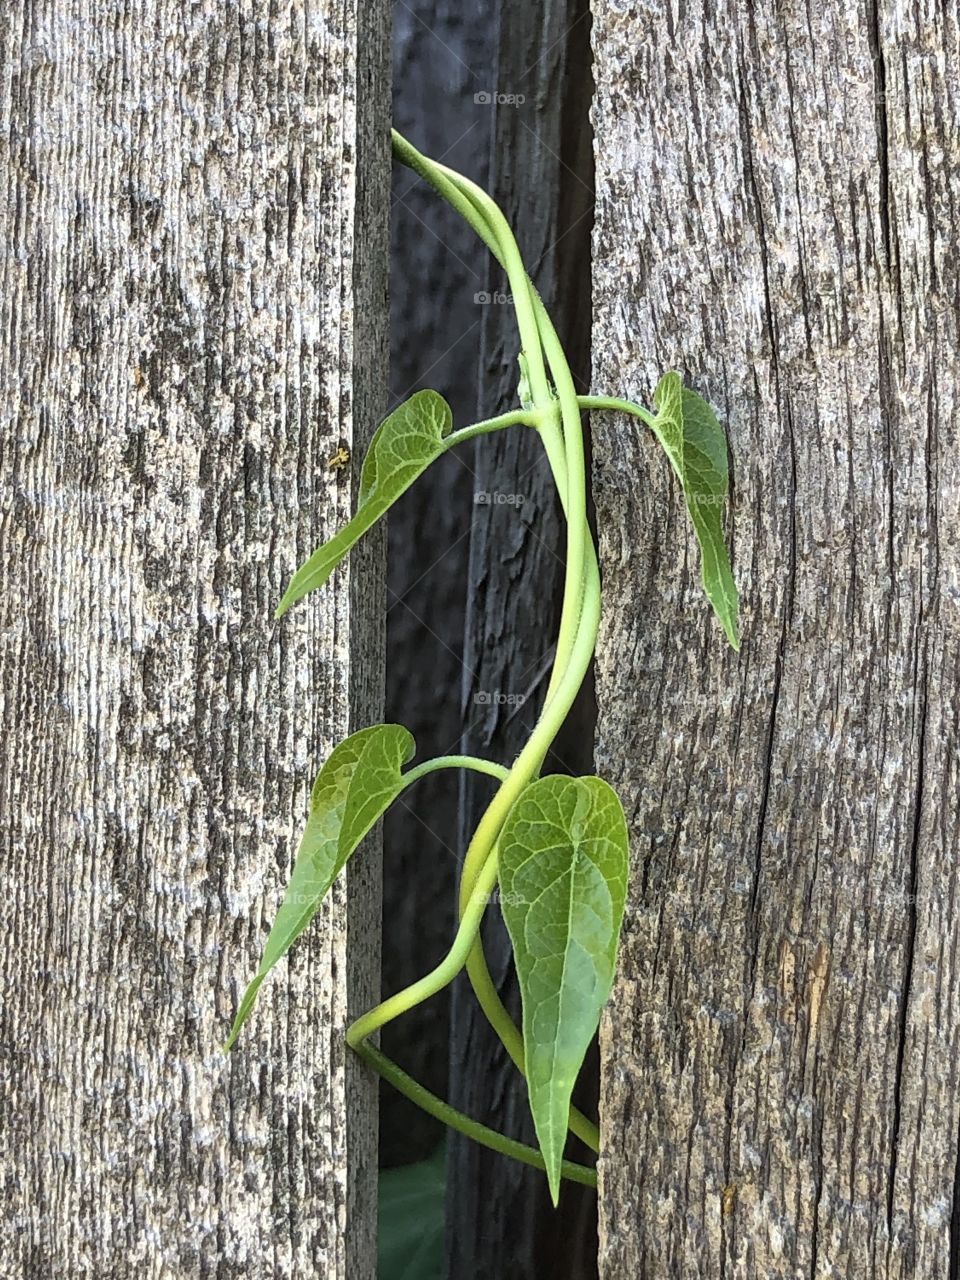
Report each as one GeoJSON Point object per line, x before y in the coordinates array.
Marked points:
{"type": "Point", "coordinates": [563, 876]}
{"type": "Point", "coordinates": [353, 789]}
{"type": "Point", "coordinates": [404, 445]}
{"type": "Point", "coordinates": [410, 1236]}
{"type": "Point", "coordinates": [693, 440]}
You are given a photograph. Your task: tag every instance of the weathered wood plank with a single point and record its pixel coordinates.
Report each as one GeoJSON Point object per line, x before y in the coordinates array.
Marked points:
{"type": "Point", "coordinates": [188, 331]}
{"type": "Point", "coordinates": [777, 188]}
{"type": "Point", "coordinates": [499, 1217]}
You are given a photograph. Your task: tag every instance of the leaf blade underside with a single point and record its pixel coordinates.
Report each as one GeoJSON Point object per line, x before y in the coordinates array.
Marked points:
{"type": "Point", "coordinates": [693, 440]}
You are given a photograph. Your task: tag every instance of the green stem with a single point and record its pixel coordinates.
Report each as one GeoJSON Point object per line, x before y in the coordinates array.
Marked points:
{"type": "Point", "coordinates": [569, 474]}
{"type": "Point", "coordinates": [581, 592]}
{"type": "Point", "coordinates": [578, 532]}
{"type": "Point", "coordinates": [486, 219]}
{"type": "Point", "coordinates": [475, 763]}
{"type": "Point", "coordinates": [408, 154]}
{"type": "Point", "coordinates": [441, 976]}
{"type": "Point", "coordinates": [442, 1111]}
{"type": "Point", "coordinates": [616, 405]}
{"type": "Point", "coordinates": [482, 214]}
{"type": "Point", "coordinates": [516, 417]}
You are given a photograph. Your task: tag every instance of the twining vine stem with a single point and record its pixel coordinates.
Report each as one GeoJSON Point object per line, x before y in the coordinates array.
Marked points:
{"type": "Point", "coordinates": [576, 642]}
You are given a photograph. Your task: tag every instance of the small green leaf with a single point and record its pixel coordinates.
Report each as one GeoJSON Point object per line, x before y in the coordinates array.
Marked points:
{"type": "Point", "coordinates": [563, 877]}
{"type": "Point", "coordinates": [353, 789]}
{"type": "Point", "coordinates": [693, 440]}
{"type": "Point", "coordinates": [404, 445]}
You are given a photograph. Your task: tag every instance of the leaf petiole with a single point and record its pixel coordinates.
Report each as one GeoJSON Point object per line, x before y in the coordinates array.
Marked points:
{"type": "Point", "coordinates": [476, 763]}
{"type": "Point", "coordinates": [615, 405]}
{"type": "Point", "coordinates": [515, 418]}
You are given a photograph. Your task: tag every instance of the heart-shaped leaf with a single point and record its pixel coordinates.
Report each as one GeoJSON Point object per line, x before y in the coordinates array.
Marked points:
{"type": "Point", "coordinates": [563, 877]}
{"type": "Point", "coordinates": [404, 445]}
{"type": "Point", "coordinates": [693, 440]}
{"type": "Point", "coordinates": [354, 788]}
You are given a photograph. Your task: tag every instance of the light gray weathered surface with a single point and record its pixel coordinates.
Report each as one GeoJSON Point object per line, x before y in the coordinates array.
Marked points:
{"type": "Point", "coordinates": [777, 215]}
{"type": "Point", "coordinates": [185, 193]}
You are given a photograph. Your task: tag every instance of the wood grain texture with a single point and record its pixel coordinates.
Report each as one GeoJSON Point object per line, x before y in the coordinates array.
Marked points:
{"type": "Point", "coordinates": [777, 196]}
{"type": "Point", "coordinates": [499, 1217]}
{"type": "Point", "coordinates": [192, 311]}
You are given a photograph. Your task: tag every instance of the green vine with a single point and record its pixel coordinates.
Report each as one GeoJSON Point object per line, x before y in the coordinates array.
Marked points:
{"type": "Point", "coordinates": [555, 846]}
